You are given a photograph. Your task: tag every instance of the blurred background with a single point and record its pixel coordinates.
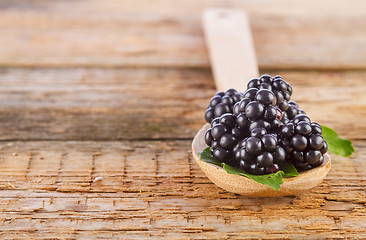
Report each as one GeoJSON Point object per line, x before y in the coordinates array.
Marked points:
{"type": "Point", "coordinates": [121, 33]}
{"type": "Point", "coordinates": [102, 69]}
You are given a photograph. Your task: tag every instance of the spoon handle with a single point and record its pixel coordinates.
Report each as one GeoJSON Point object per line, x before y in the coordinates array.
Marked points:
{"type": "Point", "coordinates": [230, 46]}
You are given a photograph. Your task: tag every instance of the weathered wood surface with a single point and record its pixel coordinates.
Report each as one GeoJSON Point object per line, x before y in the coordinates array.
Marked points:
{"type": "Point", "coordinates": [99, 101]}
{"type": "Point", "coordinates": [111, 104]}
{"type": "Point", "coordinates": [287, 34]}
{"type": "Point", "coordinates": [150, 189]}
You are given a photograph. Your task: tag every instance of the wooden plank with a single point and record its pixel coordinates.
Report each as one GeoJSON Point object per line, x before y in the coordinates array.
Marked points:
{"type": "Point", "coordinates": [173, 202]}
{"type": "Point", "coordinates": [296, 35]}
{"type": "Point", "coordinates": [102, 104]}
{"type": "Point", "coordinates": [111, 104]}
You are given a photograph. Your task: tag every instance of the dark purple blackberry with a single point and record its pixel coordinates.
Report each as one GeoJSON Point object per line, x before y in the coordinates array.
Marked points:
{"type": "Point", "coordinates": [259, 154]}
{"type": "Point", "coordinates": [223, 136]}
{"type": "Point", "coordinates": [258, 119]}
{"type": "Point", "coordinates": [257, 110]}
{"type": "Point", "coordinates": [303, 142]}
{"type": "Point", "coordinates": [293, 110]}
{"type": "Point", "coordinates": [280, 88]}
{"type": "Point", "coordinates": [221, 103]}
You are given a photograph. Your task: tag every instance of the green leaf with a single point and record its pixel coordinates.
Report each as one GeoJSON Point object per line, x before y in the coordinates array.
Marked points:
{"type": "Point", "coordinates": [206, 156]}
{"type": "Point", "coordinates": [273, 180]}
{"type": "Point", "coordinates": [337, 145]}
{"type": "Point", "coordinates": [289, 170]}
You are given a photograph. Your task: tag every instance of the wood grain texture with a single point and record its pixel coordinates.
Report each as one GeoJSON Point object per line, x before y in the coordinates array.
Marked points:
{"type": "Point", "coordinates": [99, 101]}
{"type": "Point", "coordinates": [230, 46]}
{"type": "Point", "coordinates": [297, 34]}
{"type": "Point", "coordinates": [113, 104]}
{"type": "Point", "coordinates": [154, 189]}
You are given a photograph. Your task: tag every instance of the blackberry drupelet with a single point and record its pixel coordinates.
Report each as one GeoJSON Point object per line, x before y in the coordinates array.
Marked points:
{"type": "Point", "coordinates": [221, 103]}
{"type": "Point", "coordinates": [293, 110]}
{"type": "Point", "coordinates": [303, 142]}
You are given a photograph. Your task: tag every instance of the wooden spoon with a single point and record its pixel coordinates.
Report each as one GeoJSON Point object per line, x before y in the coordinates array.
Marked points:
{"type": "Point", "coordinates": [233, 61]}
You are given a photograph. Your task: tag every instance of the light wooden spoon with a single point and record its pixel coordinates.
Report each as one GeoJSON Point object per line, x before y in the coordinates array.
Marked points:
{"type": "Point", "coordinates": [233, 61]}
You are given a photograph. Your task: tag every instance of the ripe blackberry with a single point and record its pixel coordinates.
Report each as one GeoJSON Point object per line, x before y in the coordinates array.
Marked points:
{"type": "Point", "coordinates": [258, 118]}
{"type": "Point", "coordinates": [257, 110]}
{"type": "Point", "coordinates": [281, 89]}
{"type": "Point", "coordinates": [222, 137]}
{"type": "Point", "coordinates": [260, 153]}
{"type": "Point", "coordinates": [303, 142]}
{"type": "Point", "coordinates": [293, 110]}
{"type": "Point", "coordinates": [221, 103]}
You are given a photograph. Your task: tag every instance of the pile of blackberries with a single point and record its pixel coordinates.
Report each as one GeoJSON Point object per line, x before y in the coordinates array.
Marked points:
{"type": "Point", "coordinates": [261, 129]}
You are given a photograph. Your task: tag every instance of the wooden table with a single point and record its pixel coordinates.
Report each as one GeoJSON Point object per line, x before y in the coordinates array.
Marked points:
{"type": "Point", "coordinates": [100, 101]}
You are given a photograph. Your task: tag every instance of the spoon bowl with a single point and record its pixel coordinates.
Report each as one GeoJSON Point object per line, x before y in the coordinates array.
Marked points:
{"type": "Point", "coordinates": [245, 186]}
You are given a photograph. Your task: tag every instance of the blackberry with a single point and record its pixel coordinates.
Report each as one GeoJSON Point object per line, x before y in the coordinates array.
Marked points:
{"type": "Point", "coordinates": [257, 110]}
{"type": "Point", "coordinates": [280, 88]}
{"type": "Point", "coordinates": [259, 154]}
{"type": "Point", "coordinates": [303, 142]}
{"type": "Point", "coordinates": [223, 136]}
{"type": "Point", "coordinates": [221, 103]}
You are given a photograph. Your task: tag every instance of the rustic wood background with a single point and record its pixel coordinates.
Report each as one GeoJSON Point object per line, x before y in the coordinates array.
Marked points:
{"type": "Point", "coordinates": [100, 100]}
